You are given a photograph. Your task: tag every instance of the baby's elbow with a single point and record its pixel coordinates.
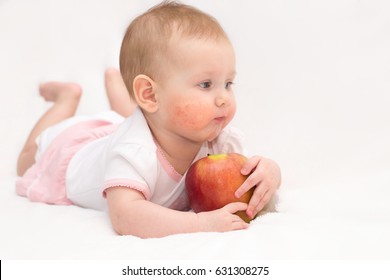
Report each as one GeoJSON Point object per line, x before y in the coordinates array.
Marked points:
{"type": "Point", "coordinates": [120, 227]}
{"type": "Point", "coordinates": [123, 228]}
{"type": "Point", "coordinates": [119, 230]}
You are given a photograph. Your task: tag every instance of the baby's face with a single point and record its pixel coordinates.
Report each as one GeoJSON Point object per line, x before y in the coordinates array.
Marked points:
{"type": "Point", "coordinates": [196, 95]}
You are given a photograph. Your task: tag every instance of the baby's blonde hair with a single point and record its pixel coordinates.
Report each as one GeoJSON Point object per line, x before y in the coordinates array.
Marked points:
{"type": "Point", "coordinates": [147, 39]}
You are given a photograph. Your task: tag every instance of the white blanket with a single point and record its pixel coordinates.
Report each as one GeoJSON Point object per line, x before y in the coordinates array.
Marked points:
{"type": "Point", "coordinates": [313, 93]}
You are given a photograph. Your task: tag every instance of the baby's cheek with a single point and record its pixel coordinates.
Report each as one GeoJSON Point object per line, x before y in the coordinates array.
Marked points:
{"type": "Point", "coordinates": [191, 115]}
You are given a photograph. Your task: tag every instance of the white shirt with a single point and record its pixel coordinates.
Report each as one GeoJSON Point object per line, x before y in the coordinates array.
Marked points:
{"type": "Point", "coordinates": [129, 157]}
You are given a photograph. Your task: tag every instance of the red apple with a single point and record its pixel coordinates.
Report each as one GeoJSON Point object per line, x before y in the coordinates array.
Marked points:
{"type": "Point", "coordinates": [212, 181]}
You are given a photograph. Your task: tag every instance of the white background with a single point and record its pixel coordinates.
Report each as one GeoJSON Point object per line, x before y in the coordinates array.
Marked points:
{"type": "Point", "coordinates": [313, 92]}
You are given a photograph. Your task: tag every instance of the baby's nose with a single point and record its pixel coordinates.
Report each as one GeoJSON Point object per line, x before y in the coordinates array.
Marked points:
{"type": "Point", "coordinates": [223, 99]}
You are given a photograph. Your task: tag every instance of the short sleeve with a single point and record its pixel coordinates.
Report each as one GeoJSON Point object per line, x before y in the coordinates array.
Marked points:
{"type": "Point", "coordinates": [132, 166]}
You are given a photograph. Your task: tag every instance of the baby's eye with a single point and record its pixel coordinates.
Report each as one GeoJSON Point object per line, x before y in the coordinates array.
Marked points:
{"type": "Point", "coordinates": [229, 85]}
{"type": "Point", "coordinates": [205, 84]}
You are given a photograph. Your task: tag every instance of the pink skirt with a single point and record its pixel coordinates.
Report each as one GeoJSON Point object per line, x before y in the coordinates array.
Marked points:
{"type": "Point", "coordinates": [45, 181]}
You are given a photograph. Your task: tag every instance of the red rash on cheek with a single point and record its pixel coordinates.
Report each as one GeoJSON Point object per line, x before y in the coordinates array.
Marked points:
{"type": "Point", "coordinates": [190, 115]}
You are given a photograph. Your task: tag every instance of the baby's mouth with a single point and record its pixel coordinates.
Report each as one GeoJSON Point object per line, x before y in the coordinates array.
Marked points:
{"type": "Point", "coordinates": [220, 119]}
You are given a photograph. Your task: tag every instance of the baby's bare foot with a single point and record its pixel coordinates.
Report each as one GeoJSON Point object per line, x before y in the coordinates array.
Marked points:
{"type": "Point", "coordinates": [117, 93]}
{"type": "Point", "coordinates": [114, 82]}
{"type": "Point", "coordinates": [59, 91]}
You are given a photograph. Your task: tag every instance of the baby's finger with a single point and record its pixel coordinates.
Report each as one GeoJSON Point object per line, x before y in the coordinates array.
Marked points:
{"type": "Point", "coordinates": [250, 164]}
{"type": "Point", "coordinates": [235, 207]}
{"type": "Point", "coordinates": [253, 210]}
{"type": "Point", "coordinates": [237, 225]}
{"type": "Point", "coordinates": [237, 222]}
{"type": "Point", "coordinates": [249, 183]}
{"type": "Point", "coordinates": [263, 202]}
{"type": "Point", "coordinates": [256, 199]}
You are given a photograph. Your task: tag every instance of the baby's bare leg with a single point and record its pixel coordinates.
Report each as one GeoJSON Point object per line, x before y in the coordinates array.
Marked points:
{"type": "Point", "coordinates": [117, 93]}
{"type": "Point", "coordinates": [66, 97]}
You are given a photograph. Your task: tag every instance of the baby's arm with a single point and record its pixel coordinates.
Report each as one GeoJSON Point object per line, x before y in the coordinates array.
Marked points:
{"type": "Point", "coordinates": [131, 214]}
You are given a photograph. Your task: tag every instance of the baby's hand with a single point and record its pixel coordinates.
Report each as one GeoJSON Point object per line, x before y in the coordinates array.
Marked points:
{"type": "Point", "coordinates": [223, 219]}
{"type": "Point", "coordinates": [265, 177]}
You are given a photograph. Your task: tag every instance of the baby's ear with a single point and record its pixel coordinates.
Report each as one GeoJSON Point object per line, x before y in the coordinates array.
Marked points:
{"type": "Point", "coordinates": [145, 93]}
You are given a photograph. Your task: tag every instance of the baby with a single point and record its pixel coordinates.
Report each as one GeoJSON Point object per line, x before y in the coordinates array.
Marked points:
{"type": "Point", "coordinates": [171, 108]}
